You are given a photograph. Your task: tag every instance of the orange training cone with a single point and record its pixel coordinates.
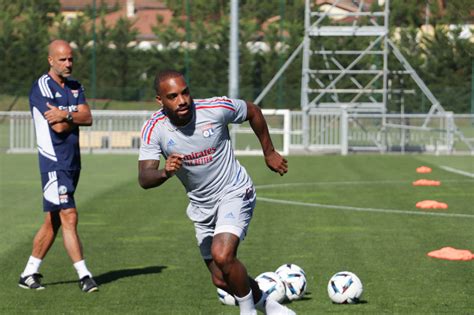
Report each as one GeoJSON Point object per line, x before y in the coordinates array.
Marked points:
{"type": "Point", "coordinates": [423, 169]}
{"type": "Point", "coordinates": [426, 182]}
{"type": "Point", "coordinates": [451, 253]}
{"type": "Point", "coordinates": [431, 204]}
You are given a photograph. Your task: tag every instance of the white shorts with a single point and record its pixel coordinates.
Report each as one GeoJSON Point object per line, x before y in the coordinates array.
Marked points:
{"type": "Point", "coordinates": [231, 214]}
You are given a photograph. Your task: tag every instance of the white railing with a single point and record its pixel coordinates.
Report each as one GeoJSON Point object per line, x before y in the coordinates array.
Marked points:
{"type": "Point", "coordinates": [112, 131]}
{"type": "Point", "coordinates": [330, 131]}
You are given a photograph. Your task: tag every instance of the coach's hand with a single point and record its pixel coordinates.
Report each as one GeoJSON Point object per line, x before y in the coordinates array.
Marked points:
{"type": "Point", "coordinates": [276, 162]}
{"type": "Point", "coordinates": [173, 164]}
{"type": "Point", "coordinates": [54, 115]}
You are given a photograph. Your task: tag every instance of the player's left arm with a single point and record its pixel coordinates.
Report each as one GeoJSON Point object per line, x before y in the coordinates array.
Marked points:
{"type": "Point", "coordinates": [273, 159]}
{"type": "Point", "coordinates": [58, 119]}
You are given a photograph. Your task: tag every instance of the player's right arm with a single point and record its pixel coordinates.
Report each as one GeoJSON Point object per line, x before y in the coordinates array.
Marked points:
{"type": "Point", "coordinates": [149, 174]}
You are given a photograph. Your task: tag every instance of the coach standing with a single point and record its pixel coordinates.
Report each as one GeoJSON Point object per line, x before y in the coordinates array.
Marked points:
{"type": "Point", "coordinates": [58, 107]}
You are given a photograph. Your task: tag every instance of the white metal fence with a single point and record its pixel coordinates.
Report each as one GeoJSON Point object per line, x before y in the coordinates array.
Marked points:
{"type": "Point", "coordinates": [343, 132]}
{"type": "Point", "coordinates": [330, 131]}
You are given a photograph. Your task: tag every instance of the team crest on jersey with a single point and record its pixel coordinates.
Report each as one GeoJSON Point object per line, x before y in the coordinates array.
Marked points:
{"type": "Point", "coordinates": [63, 197]}
{"type": "Point", "coordinates": [75, 93]}
{"type": "Point", "coordinates": [207, 130]}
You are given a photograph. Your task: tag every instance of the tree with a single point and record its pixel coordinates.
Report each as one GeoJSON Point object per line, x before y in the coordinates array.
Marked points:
{"type": "Point", "coordinates": [447, 67]}
{"type": "Point", "coordinates": [122, 64]}
{"type": "Point", "coordinates": [197, 41]}
{"type": "Point", "coordinates": [24, 35]}
{"type": "Point", "coordinates": [78, 32]}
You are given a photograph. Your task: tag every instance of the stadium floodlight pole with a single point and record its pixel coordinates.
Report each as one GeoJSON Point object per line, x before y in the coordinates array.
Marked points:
{"type": "Point", "coordinates": [187, 72]}
{"type": "Point", "coordinates": [281, 38]}
{"type": "Point", "coordinates": [385, 71]}
{"type": "Point", "coordinates": [305, 76]}
{"type": "Point", "coordinates": [234, 50]}
{"type": "Point", "coordinates": [93, 62]}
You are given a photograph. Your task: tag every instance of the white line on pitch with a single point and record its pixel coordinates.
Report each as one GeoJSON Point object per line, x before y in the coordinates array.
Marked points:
{"type": "Point", "coordinates": [332, 183]}
{"type": "Point", "coordinates": [361, 182]}
{"type": "Point", "coordinates": [454, 170]}
{"type": "Point", "coordinates": [318, 205]}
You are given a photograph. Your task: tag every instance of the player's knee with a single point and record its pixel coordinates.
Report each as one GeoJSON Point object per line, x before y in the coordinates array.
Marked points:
{"type": "Point", "coordinates": [69, 218]}
{"type": "Point", "coordinates": [223, 259]}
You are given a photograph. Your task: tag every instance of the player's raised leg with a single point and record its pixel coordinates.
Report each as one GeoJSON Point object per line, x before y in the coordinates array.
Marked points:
{"type": "Point", "coordinates": [224, 250]}
{"type": "Point", "coordinates": [218, 281]}
{"type": "Point", "coordinates": [230, 274]}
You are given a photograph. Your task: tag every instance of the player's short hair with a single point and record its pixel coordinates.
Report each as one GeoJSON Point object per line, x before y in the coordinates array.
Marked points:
{"type": "Point", "coordinates": [165, 75]}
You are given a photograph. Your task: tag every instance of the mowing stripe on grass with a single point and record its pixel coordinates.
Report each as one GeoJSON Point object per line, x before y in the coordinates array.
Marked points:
{"type": "Point", "coordinates": [454, 170]}
{"type": "Point", "coordinates": [348, 208]}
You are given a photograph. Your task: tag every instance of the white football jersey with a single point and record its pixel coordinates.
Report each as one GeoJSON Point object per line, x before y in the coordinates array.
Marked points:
{"type": "Point", "coordinates": [209, 168]}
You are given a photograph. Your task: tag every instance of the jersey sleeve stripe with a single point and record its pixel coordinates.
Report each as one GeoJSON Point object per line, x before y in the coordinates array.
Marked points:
{"type": "Point", "coordinates": [215, 106]}
{"type": "Point", "coordinates": [149, 121]}
{"type": "Point", "coordinates": [150, 131]}
{"type": "Point", "coordinates": [150, 124]}
{"type": "Point", "coordinates": [146, 127]}
{"type": "Point", "coordinates": [48, 91]}
{"type": "Point", "coordinates": [44, 87]}
{"type": "Point", "coordinates": [212, 101]}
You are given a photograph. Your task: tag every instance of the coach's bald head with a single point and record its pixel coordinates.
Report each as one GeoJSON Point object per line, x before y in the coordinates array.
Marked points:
{"type": "Point", "coordinates": [60, 58]}
{"type": "Point", "coordinates": [58, 45]}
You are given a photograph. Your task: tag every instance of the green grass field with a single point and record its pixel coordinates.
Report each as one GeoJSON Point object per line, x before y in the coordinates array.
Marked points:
{"type": "Point", "coordinates": [141, 246]}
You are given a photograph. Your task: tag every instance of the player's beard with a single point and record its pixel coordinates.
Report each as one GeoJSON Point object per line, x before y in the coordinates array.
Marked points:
{"type": "Point", "coordinates": [178, 120]}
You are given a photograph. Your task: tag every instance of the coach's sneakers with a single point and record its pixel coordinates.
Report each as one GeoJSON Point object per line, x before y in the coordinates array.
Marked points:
{"type": "Point", "coordinates": [87, 284]}
{"type": "Point", "coordinates": [32, 282]}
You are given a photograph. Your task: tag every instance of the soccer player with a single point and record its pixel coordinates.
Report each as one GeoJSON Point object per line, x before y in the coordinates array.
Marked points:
{"type": "Point", "coordinates": [193, 136]}
{"type": "Point", "coordinates": [58, 107]}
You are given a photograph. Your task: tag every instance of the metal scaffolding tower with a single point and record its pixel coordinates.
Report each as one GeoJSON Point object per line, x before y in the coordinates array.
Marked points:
{"type": "Point", "coordinates": [353, 75]}
{"type": "Point", "coordinates": [345, 65]}
{"type": "Point", "coordinates": [345, 62]}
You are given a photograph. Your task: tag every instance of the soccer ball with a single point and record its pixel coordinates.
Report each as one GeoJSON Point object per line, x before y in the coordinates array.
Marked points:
{"type": "Point", "coordinates": [226, 298]}
{"type": "Point", "coordinates": [272, 286]}
{"type": "Point", "coordinates": [345, 288]}
{"type": "Point", "coordinates": [295, 280]}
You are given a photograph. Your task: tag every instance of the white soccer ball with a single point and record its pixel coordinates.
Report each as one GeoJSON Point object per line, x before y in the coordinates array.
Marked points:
{"type": "Point", "coordinates": [226, 298]}
{"type": "Point", "coordinates": [272, 286]}
{"type": "Point", "coordinates": [345, 288]}
{"type": "Point", "coordinates": [294, 278]}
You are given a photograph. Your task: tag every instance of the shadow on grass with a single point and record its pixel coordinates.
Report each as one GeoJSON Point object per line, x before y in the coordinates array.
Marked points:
{"type": "Point", "coordinates": [114, 275]}
{"type": "Point", "coordinates": [356, 303]}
